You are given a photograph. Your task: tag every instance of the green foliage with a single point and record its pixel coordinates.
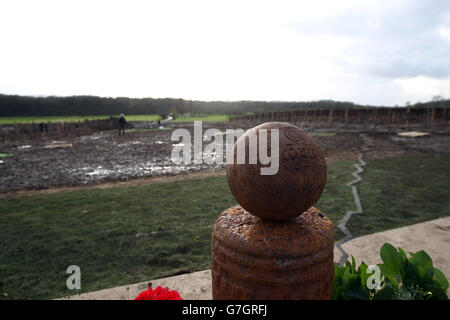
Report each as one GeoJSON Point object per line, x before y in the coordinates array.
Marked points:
{"type": "Point", "coordinates": [73, 118]}
{"type": "Point", "coordinates": [13, 105]}
{"type": "Point", "coordinates": [401, 278]}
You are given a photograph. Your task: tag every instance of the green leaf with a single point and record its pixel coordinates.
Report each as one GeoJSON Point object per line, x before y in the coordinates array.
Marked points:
{"type": "Point", "coordinates": [439, 277]}
{"type": "Point", "coordinates": [428, 295]}
{"type": "Point", "coordinates": [421, 259]}
{"type": "Point", "coordinates": [362, 270]}
{"type": "Point", "coordinates": [402, 255]}
{"type": "Point", "coordinates": [362, 265]}
{"type": "Point", "coordinates": [337, 286]}
{"type": "Point", "coordinates": [385, 293]}
{"type": "Point", "coordinates": [336, 294]}
{"type": "Point", "coordinates": [393, 262]}
{"type": "Point", "coordinates": [387, 272]}
{"type": "Point", "coordinates": [356, 294]}
{"type": "Point", "coordinates": [354, 264]}
{"type": "Point", "coordinates": [423, 265]}
{"type": "Point", "coordinates": [438, 293]}
{"type": "Point", "coordinates": [402, 278]}
{"type": "Point", "coordinates": [349, 266]}
{"type": "Point", "coordinates": [412, 276]}
{"type": "Point", "coordinates": [351, 280]}
{"type": "Point", "coordinates": [338, 272]}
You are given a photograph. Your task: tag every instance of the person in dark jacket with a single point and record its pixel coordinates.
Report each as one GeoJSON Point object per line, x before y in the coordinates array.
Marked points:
{"type": "Point", "coordinates": [122, 123]}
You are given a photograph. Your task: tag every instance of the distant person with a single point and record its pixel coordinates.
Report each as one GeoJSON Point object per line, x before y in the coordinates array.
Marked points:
{"type": "Point", "coordinates": [159, 123]}
{"type": "Point", "coordinates": [41, 127]}
{"type": "Point", "coordinates": [122, 123]}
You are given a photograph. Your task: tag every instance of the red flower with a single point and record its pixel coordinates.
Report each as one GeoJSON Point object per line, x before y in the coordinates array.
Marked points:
{"type": "Point", "coordinates": [159, 294]}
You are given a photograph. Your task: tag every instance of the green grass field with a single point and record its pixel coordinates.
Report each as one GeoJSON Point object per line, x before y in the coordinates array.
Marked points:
{"type": "Point", "coordinates": [142, 117]}
{"type": "Point", "coordinates": [39, 119]}
{"type": "Point", "coordinates": [125, 235]}
{"type": "Point", "coordinates": [130, 118]}
{"type": "Point", "coordinates": [402, 191]}
{"type": "Point", "coordinates": [203, 117]}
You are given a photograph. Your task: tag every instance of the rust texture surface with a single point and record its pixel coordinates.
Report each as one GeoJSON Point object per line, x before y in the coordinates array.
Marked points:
{"type": "Point", "coordinates": [274, 245]}
{"type": "Point", "coordinates": [255, 259]}
{"type": "Point", "coordinates": [297, 185]}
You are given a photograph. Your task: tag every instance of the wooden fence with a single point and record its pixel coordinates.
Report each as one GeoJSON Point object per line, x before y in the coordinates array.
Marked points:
{"type": "Point", "coordinates": [375, 116]}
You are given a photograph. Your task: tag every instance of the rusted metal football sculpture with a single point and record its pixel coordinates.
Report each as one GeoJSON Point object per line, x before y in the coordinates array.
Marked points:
{"type": "Point", "coordinates": [275, 245]}
{"type": "Point", "coordinates": [298, 184]}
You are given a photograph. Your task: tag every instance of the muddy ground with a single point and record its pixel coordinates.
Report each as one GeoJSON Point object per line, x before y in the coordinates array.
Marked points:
{"type": "Point", "coordinates": [106, 157]}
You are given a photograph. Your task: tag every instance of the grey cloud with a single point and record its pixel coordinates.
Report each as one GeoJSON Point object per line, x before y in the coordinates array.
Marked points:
{"type": "Point", "coordinates": [407, 44]}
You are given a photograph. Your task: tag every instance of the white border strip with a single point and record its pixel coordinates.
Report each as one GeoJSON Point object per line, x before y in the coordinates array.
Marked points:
{"type": "Point", "coordinates": [359, 210]}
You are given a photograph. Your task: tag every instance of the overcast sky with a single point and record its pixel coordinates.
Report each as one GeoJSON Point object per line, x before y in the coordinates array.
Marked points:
{"type": "Point", "coordinates": [368, 52]}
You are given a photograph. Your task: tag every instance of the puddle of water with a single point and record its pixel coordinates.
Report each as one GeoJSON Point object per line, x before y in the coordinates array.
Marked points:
{"type": "Point", "coordinates": [99, 172]}
{"type": "Point", "coordinates": [54, 146]}
{"type": "Point", "coordinates": [24, 147]}
{"type": "Point", "coordinates": [413, 134]}
{"type": "Point", "coordinates": [141, 169]}
{"type": "Point", "coordinates": [130, 143]}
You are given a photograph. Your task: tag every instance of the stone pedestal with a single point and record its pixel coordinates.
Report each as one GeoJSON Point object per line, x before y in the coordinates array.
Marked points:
{"type": "Point", "coordinates": [253, 259]}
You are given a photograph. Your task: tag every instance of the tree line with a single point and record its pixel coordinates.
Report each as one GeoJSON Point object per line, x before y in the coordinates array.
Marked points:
{"type": "Point", "coordinates": [14, 105]}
